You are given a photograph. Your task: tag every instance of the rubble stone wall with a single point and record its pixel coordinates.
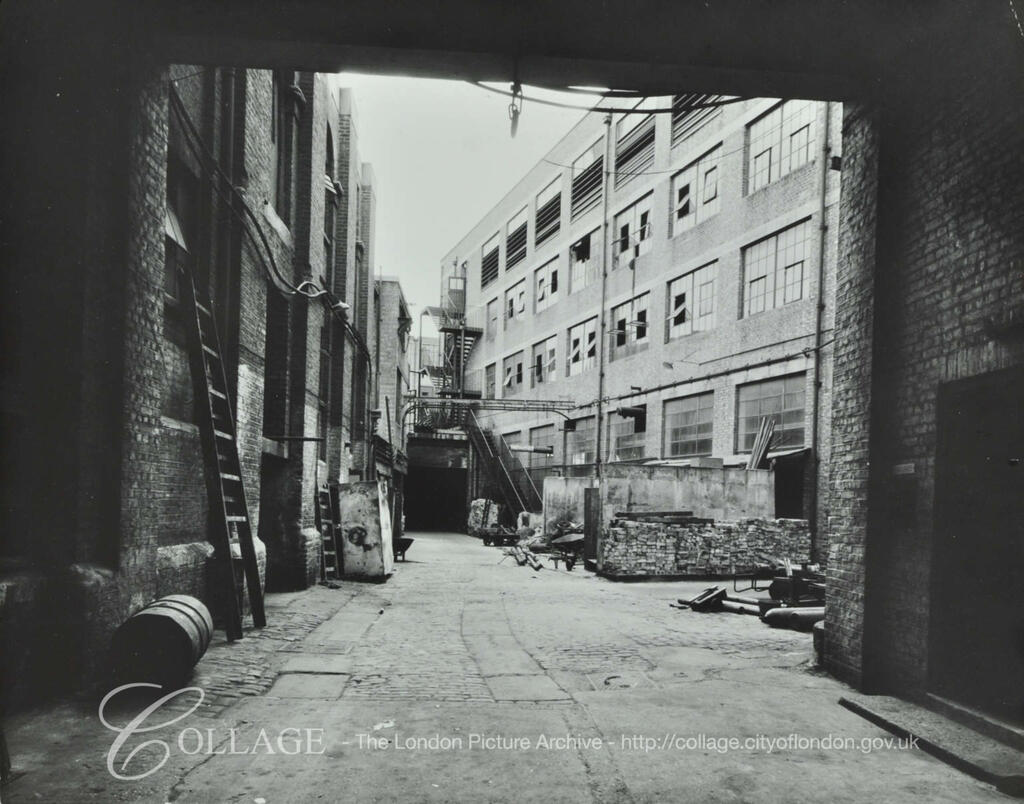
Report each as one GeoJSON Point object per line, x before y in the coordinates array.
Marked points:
{"type": "Point", "coordinates": [631, 548]}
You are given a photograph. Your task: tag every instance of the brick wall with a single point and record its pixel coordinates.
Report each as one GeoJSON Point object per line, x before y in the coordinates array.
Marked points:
{"type": "Point", "coordinates": [631, 548]}
{"type": "Point", "coordinates": [851, 401]}
{"type": "Point", "coordinates": [927, 284]}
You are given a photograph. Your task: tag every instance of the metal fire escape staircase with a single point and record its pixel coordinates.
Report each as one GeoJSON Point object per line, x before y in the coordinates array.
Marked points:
{"type": "Point", "coordinates": [506, 470]}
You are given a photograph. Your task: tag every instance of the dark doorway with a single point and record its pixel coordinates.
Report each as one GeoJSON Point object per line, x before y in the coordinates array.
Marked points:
{"type": "Point", "coordinates": [435, 499]}
{"type": "Point", "coordinates": [977, 622]}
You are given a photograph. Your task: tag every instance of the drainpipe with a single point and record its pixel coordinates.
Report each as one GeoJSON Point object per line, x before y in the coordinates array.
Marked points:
{"type": "Point", "coordinates": [605, 247]}
{"type": "Point", "coordinates": [819, 309]}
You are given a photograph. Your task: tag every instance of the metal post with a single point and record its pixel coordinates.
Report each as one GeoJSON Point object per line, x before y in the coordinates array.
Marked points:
{"type": "Point", "coordinates": [605, 247]}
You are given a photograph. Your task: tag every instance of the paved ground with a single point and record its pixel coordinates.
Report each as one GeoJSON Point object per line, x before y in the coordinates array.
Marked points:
{"type": "Point", "coordinates": [466, 679]}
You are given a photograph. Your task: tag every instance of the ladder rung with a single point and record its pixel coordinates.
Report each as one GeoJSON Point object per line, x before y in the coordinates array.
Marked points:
{"type": "Point", "coordinates": [232, 478]}
{"type": "Point", "coordinates": [237, 518]}
{"type": "Point", "coordinates": [222, 434]}
{"type": "Point", "coordinates": [203, 309]}
{"type": "Point", "coordinates": [210, 351]}
{"type": "Point", "coordinates": [218, 394]}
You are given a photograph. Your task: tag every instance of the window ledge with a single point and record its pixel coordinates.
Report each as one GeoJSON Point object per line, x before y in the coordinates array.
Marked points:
{"type": "Point", "coordinates": [177, 424]}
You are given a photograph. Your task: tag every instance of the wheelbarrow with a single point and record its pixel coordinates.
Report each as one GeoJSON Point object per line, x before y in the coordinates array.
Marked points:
{"type": "Point", "coordinates": [569, 548]}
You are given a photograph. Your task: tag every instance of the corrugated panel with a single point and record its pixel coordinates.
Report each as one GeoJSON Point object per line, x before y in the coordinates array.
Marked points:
{"type": "Point", "coordinates": [687, 121]}
{"type": "Point", "coordinates": [548, 220]}
{"type": "Point", "coordinates": [634, 153]}
{"type": "Point", "coordinates": [586, 188]}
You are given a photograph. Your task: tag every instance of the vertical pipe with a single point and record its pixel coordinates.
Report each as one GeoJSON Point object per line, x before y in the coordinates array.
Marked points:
{"type": "Point", "coordinates": [605, 247]}
{"type": "Point", "coordinates": [819, 311]}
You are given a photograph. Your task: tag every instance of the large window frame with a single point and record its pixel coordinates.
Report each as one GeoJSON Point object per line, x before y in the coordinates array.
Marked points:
{"type": "Point", "coordinates": [515, 303]}
{"type": "Point", "coordinates": [581, 354]}
{"type": "Point", "coordinates": [633, 231]}
{"type": "Point", "coordinates": [775, 268]}
{"type": "Point", "coordinates": [631, 327]}
{"type": "Point", "coordinates": [512, 374]}
{"type": "Point", "coordinates": [628, 436]}
{"type": "Point", "coordinates": [491, 323]}
{"type": "Point", "coordinates": [583, 268]}
{"type": "Point", "coordinates": [691, 302]}
{"type": "Point", "coordinates": [696, 194]}
{"type": "Point", "coordinates": [689, 426]}
{"type": "Point", "coordinates": [783, 399]}
{"type": "Point", "coordinates": [580, 441]}
{"type": "Point", "coordinates": [545, 285]}
{"type": "Point", "coordinates": [544, 361]}
{"type": "Point", "coordinates": [780, 141]}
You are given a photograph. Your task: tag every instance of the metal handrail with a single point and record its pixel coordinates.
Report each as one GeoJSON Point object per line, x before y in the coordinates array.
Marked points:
{"type": "Point", "coordinates": [478, 431]}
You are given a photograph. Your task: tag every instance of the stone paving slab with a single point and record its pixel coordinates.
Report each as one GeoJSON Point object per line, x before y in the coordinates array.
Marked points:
{"type": "Point", "coordinates": [525, 688]}
{"type": "Point", "coordinates": [317, 686]}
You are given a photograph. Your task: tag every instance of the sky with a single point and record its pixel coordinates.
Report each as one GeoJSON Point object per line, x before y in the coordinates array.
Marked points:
{"type": "Point", "coordinates": [443, 156]}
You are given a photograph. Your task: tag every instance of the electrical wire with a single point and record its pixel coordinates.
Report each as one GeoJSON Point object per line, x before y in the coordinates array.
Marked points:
{"type": "Point", "coordinates": [307, 289]}
{"type": "Point", "coordinates": [608, 109]}
{"type": "Point", "coordinates": [194, 140]}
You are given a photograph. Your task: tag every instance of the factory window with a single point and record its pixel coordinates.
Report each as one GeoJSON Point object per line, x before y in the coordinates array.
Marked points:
{"type": "Point", "coordinates": [513, 438]}
{"type": "Point", "coordinates": [489, 261]}
{"type": "Point", "coordinates": [580, 441]}
{"type": "Point", "coordinates": [630, 324]}
{"type": "Point", "coordinates": [330, 210]}
{"type": "Point", "coordinates": [180, 226]}
{"type": "Point", "coordinates": [628, 433]}
{"type": "Point", "coordinates": [490, 381]}
{"type": "Point", "coordinates": [774, 269]}
{"type": "Point", "coordinates": [515, 240]}
{"type": "Point", "coordinates": [781, 400]}
{"type": "Point", "coordinates": [582, 347]}
{"type": "Point", "coordinates": [688, 120]}
{"type": "Point", "coordinates": [632, 232]}
{"type": "Point", "coordinates": [288, 101]}
{"type": "Point", "coordinates": [586, 180]}
{"type": "Point", "coordinates": [544, 367]}
{"type": "Point", "coordinates": [634, 144]}
{"type": "Point", "coordinates": [545, 283]}
{"type": "Point", "coordinates": [548, 219]}
{"type": "Point", "coordinates": [515, 302]}
{"type": "Point", "coordinates": [512, 368]}
{"type": "Point", "coordinates": [779, 142]}
{"type": "Point", "coordinates": [695, 191]}
{"type": "Point", "coordinates": [584, 267]}
{"type": "Point", "coordinates": [542, 438]}
{"type": "Point", "coordinates": [691, 302]}
{"type": "Point", "coordinates": [492, 318]}
{"type": "Point", "coordinates": [689, 425]}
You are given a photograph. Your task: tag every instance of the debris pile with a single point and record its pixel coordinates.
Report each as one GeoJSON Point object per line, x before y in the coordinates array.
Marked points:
{"type": "Point", "coordinates": [796, 596]}
{"type": "Point", "coordinates": [482, 514]}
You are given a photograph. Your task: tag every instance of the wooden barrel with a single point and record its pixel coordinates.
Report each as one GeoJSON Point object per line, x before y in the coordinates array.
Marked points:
{"type": "Point", "coordinates": [162, 642]}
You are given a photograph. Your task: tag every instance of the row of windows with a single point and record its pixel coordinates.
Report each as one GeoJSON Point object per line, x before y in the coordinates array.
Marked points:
{"type": "Point", "coordinates": [777, 143]}
{"type": "Point", "coordinates": [774, 274]}
{"type": "Point", "coordinates": [688, 423]}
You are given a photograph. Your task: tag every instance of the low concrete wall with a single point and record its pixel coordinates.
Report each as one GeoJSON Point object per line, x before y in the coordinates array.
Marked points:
{"type": "Point", "coordinates": [645, 549]}
{"type": "Point", "coordinates": [710, 492]}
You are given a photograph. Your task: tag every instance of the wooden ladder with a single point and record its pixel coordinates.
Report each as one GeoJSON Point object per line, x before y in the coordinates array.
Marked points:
{"type": "Point", "coordinates": [229, 512]}
{"type": "Point", "coordinates": [327, 524]}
